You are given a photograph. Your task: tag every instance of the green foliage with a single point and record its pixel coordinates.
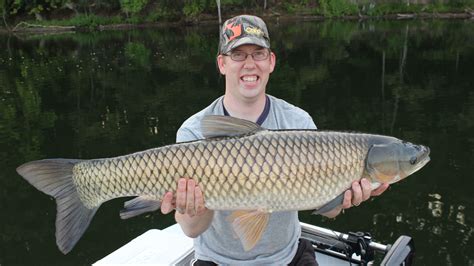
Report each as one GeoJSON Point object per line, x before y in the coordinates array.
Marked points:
{"type": "Point", "coordinates": [376, 8]}
{"type": "Point", "coordinates": [231, 2]}
{"type": "Point", "coordinates": [3, 6]}
{"type": "Point", "coordinates": [34, 6]}
{"type": "Point", "coordinates": [4, 13]}
{"type": "Point", "coordinates": [36, 10]}
{"type": "Point", "coordinates": [193, 8]}
{"type": "Point", "coordinates": [22, 116]}
{"type": "Point", "coordinates": [159, 13]}
{"type": "Point", "coordinates": [132, 6]}
{"type": "Point", "coordinates": [85, 21]}
{"type": "Point", "coordinates": [290, 8]}
{"type": "Point", "coordinates": [461, 3]}
{"type": "Point", "coordinates": [172, 10]}
{"type": "Point", "coordinates": [335, 8]}
{"type": "Point", "coordinates": [164, 10]}
{"type": "Point", "coordinates": [138, 55]}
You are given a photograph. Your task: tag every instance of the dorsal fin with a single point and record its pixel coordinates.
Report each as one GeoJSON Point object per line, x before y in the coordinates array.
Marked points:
{"type": "Point", "coordinates": [225, 126]}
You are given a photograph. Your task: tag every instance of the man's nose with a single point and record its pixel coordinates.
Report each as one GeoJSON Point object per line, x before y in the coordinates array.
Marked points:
{"type": "Point", "coordinates": [249, 62]}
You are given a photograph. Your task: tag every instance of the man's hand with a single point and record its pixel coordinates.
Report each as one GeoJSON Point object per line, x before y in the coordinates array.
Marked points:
{"type": "Point", "coordinates": [191, 214]}
{"type": "Point", "coordinates": [189, 199]}
{"type": "Point", "coordinates": [358, 193]}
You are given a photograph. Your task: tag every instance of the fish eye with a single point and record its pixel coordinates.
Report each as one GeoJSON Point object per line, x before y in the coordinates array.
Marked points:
{"type": "Point", "coordinates": [413, 160]}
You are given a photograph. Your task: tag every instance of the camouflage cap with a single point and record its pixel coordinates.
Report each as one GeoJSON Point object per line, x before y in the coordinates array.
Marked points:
{"type": "Point", "coordinates": [243, 29]}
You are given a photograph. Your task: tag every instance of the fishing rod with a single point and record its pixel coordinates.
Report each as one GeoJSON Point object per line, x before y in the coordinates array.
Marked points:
{"type": "Point", "coordinates": [219, 12]}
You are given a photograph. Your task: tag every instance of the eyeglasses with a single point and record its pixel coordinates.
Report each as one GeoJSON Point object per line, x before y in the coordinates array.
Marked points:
{"type": "Point", "coordinates": [240, 56]}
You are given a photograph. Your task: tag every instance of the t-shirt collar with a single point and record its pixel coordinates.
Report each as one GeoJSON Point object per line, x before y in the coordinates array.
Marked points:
{"type": "Point", "coordinates": [263, 115]}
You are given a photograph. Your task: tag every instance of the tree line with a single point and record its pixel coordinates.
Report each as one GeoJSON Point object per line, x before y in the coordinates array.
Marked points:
{"type": "Point", "coordinates": [79, 12]}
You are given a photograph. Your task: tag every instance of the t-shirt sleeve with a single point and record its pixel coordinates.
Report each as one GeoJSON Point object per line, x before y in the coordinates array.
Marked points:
{"type": "Point", "coordinates": [310, 123]}
{"type": "Point", "coordinates": [185, 134]}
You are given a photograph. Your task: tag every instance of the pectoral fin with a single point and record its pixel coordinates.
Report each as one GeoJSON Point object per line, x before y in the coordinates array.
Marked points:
{"type": "Point", "coordinates": [387, 178]}
{"type": "Point", "coordinates": [249, 226]}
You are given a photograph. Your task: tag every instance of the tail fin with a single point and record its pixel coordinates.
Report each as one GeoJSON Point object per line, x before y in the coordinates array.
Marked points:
{"type": "Point", "coordinates": [54, 177]}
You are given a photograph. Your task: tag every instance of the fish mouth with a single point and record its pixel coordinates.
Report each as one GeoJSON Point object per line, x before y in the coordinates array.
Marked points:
{"type": "Point", "coordinates": [423, 159]}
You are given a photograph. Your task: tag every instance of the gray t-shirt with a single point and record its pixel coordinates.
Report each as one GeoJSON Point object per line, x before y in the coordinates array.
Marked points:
{"type": "Point", "coordinates": [280, 240]}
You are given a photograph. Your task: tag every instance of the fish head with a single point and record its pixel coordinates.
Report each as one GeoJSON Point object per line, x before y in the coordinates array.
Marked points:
{"type": "Point", "coordinates": [393, 161]}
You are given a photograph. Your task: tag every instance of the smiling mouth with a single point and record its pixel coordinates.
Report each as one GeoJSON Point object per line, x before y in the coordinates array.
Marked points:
{"type": "Point", "coordinates": [249, 78]}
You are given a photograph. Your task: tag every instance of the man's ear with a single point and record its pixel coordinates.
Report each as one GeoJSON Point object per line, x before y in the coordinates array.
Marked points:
{"type": "Point", "coordinates": [221, 64]}
{"type": "Point", "coordinates": [272, 61]}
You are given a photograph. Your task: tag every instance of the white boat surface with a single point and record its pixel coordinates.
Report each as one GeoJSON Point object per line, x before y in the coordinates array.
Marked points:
{"type": "Point", "coordinates": [171, 246]}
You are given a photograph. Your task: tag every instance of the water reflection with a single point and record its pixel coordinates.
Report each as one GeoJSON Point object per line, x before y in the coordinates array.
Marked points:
{"type": "Point", "coordinates": [455, 213]}
{"type": "Point", "coordinates": [111, 93]}
{"type": "Point", "coordinates": [435, 205]}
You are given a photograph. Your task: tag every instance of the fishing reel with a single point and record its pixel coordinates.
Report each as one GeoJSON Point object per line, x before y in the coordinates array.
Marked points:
{"type": "Point", "coordinates": [357, 248]}
{"type": "Point", "coordinates": [358, 243]}
{"type": "Point", "coordinates": [400, 253]}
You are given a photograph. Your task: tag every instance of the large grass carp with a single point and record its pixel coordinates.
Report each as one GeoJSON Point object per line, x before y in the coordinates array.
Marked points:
{"type": "Point", "coordinates": [239, 166]}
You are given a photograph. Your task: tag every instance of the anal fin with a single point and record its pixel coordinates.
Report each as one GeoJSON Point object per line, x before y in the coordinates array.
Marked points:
{"type": "Point", "coordinates": [139, 205]}
{"type": "Point", "coordinates": [249, 226]}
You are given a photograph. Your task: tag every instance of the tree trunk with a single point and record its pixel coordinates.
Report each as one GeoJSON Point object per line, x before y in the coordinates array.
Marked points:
{"type": "Point", "coordinates": [403, 59]}
{"type": "Point", "coordinates": [4, 17]}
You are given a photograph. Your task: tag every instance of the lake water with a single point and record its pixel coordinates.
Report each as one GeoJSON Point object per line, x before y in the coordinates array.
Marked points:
{"type": "Point", "coordinates": [102, 94]}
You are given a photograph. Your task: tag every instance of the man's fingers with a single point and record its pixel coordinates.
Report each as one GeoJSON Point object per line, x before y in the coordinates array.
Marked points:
{"type": "Point", "coordinates": [188, 200]}
{"type": "Point", "coordinates": [190, 197]}
{"type": "Point", "coordinates": [181, 196]}
{"type": "Point", "coordinates": [379, 190]}
{"type": "Point", "coordinates": [347, 202]}
{"type": "Point", "coordinates": [366, 189]}
{"type": "Point", "coordinates": [199, 199]}
{"type": "Point", "coordinates": [167, 204]}
{"type": "Point", "coordinates": [356, 194]}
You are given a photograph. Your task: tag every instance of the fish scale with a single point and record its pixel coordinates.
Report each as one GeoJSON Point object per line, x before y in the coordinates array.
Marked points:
{"type": "Point", "coordinates": [238, 166]}
{"type": "Point", "coordinates": [240, 173]}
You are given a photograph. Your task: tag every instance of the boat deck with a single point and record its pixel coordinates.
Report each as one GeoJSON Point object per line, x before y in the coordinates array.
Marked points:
{"type": "Point", "coordinates": [171, 247]}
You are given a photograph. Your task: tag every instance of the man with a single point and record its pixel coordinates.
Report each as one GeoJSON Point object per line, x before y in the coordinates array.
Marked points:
{"type": "Point", "coordinates": [246, 62]}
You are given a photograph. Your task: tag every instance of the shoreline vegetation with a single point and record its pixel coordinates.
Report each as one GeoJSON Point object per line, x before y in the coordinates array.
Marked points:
{"type": "Point", "coordinates": [43, 16]}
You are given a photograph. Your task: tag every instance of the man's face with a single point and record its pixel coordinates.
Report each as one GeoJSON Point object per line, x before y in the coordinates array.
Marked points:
{"type": "Point", "coordinates": [248, 79]}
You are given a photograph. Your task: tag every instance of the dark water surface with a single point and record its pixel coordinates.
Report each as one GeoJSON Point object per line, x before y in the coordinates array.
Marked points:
{"type": "Point", "coordinates": [90, 95]}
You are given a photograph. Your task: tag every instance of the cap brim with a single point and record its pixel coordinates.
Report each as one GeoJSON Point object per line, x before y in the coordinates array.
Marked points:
{"type": "Point", "coordinates": [246, 40]}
